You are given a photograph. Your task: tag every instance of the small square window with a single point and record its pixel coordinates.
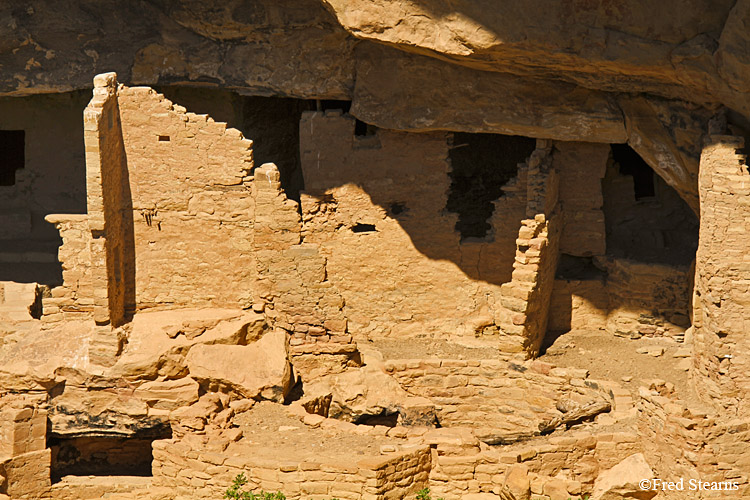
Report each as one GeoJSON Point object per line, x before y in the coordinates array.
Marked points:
{"type": "Point", "coordinates": [11, 155]}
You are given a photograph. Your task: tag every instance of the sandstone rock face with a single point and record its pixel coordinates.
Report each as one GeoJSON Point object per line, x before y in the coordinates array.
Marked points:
{"type": "Point", "coordinates": [158, 341]}
{"type": "Point", "coordinates": [621, 481]}
{"type": "Point", "coordinates": [595, 45]}
{"type": "Point", "coordinates": [396, 90]}
{"type": "Point", "coordinates": [169, 394]}
{"type": "Point", "coordinates": [260, 370]}
{"type": "Point", "coordinates": [570, 72]}
{"type": "Point", "coordinates": [293, 48]}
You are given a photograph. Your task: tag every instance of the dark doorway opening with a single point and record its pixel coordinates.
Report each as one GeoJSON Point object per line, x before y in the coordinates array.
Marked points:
{"type": "Point", "coordinates": [97, 455]}
{"type": "Point", "coordinates": [645, 218]}
{"type": "Point", "coordinates": [12, 155]}
{"type": "Point", "coordinates": [481, 165]}
{"type": "Point", "coordinates": [633, 165]}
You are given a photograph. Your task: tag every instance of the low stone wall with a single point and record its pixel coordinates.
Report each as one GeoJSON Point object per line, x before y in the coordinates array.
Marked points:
{"type": "Point", "coordinates": [26, 475]}
{"type": "Point", "coordinates": [494, 394]}
{"type": "Point", "coordinates": [634, 299]}
{"type": "Point", "coordinates": [22, 430]}
{"type": "Point", "coordinates": [567, 464]}
{"type": "Point", "coordinates": [647, 299]}
{"type": "Point", "coordinates": [193, 472]}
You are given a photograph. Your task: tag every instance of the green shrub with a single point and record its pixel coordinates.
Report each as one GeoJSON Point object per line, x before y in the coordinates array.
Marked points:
{"type": "Point", "coordinates": [237, 491]}
{"type": "Point", "coordinates": [424, 494]}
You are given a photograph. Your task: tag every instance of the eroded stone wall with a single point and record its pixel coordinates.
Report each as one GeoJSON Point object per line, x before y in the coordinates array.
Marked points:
{"type": "Point", "coordinates": [683, 440]}
{"type": "Point", "coordinates": [75, 297]}
{"type": "Point", "coordinates": [376, 206]}
{"type": "Point", "coordinates": [523, 317]}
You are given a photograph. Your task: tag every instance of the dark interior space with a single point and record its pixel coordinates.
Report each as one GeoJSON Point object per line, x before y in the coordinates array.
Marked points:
{"type": "Point", "coordinates": [331, 104]}
{"type": "Point", "coordinates": [633, 165]}
{"type": "Point", "coordinates": [11, 155]}
{"type": "Point", "coordinates": [362, 129]}
{"type": "Point", "coordinates": [645, 218]}
{"type": "Point", "coordinates": [572, 267]}
{"type": "Point", "coordinates": [42, 172]}
{"type": "Point", "coordinates": [363, 228]}
{"type": "Point", "coordinates": [272, 123]}
{"type": "Point", "coordinates": [97, 455]}
{"type": "Point", "coordinates": [481, 165]}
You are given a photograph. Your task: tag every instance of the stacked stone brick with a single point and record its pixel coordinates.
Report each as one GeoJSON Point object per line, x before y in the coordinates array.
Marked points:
{"type": "Point", "coordinates": [196, 472]}
{"type": "Point", "coordinates": [722, 279]}
{"type": "Point", "coordinates": [24, 457]}
{"type": "Point", "coordinates": [503, 396]}
{"type": "Point", "coordinates": [293, 283]}
{"type": "Point", "coordinates": [75, 297]}
{"type": "Point", "coordinates": [522, 320]}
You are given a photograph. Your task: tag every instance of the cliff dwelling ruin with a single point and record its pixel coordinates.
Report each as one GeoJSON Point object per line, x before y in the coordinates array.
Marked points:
{"type": "Point", "coordinates": [374, 250]}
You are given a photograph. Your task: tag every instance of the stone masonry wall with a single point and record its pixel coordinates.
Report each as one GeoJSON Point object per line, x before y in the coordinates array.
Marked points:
{"type": "Point", "coordinates": [683, 440]}
{"type": "Point", "coordinates": [75, 297]}
{"type": "Point", "coordinates": [111, 244]}
{"type": "Point", "coordinates": [722, 279]}
{"type": "Point", "coordinates": [525, 300]}
{"type": "Point", "coordinates": [190, 184]}
{"type": "Point", "coordinates": [294, 288]}
{"type": "Point", "coordinates": [196, 472]}
{"type": "Point", "coordinates": [24, 458]}
{"type": "Point", "coordinates": [561, 467]}
{"type": "Point", "coordinates": [581, 167]}
{"type": "Point", "coordinates": [498, 396]}
{"type": "Point", "coordinates": [376, 206]}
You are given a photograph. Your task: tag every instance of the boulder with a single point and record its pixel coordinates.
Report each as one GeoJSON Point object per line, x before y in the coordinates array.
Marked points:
{"type": "Point", "coordinates": [357, 395]}
{"type": "Point", "coordinates": [621, 481]}
{"type": "Point", "coordinates": [517, 481]}
{"type": "Point", "coordinates": [158, 340]}
{"type": "Point", "coordinates": [169, 394]}
{"type": "Point", "coordinates": [258, 371]}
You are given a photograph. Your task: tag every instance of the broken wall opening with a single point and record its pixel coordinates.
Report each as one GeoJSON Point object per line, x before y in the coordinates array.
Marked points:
{"type": "Point", "coordinates": [628, 243]}
{"type": "Point", "coordinates": [272, 123]}
{"type": "Point", "coordinates": [646, 220]}
{"type": "Point", "coordinates": [103, 455]}
{"type": "Point", "coordinates": [481, 164]}
{"type": "Point", "coordinates": [42, 172]}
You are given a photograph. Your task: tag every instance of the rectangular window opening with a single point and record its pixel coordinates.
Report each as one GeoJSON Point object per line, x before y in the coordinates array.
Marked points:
{"type": "Point", "coordinates": [12, 155]}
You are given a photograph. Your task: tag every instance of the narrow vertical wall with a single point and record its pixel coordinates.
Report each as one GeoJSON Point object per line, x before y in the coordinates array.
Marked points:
{"type": "Point", "coordinates": [582, 166]}
{"type": "Point", "coordinates": [525, 300]}
{"type": "Point", "coordinates": [722, 318]}
{"type": "Point", "coordinates": [109, 205]}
